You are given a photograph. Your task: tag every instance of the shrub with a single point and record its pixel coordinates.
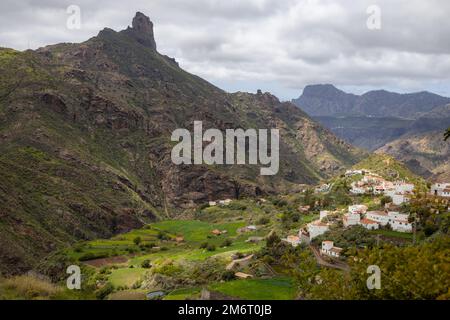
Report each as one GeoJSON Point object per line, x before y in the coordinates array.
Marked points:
{"type": "Point", "coordinates": [263, 221]}
{"type": "Point", "coordinates": [280, 203]}
{"type": "Point", "coordinates": [78, 248]}
{"type": "Point", "coordinates": [295, 217]}
{"type": "Point", "coordinates": [91, 256]}
{"type": "Point", "coordinates": [204, 245]}
{"type": "Point", "coordinates": [137, 240]}
{"type": "Point", "coordinates": [146, 264]}
{"type": "Point", "coordinates": [385, 199]}
{"type": "Point", "coordinates": [237, 206]}
{"type": "Point", "coordinates": [103, 292]}
{"type": "Point", "coordinates": [227, 243]}
{"type": "Point", "coordinates": [162, 236]}
{"type": "Point", "coordinates": [211, 247]}
{"type": "Point", "coordinates": [228, 275]}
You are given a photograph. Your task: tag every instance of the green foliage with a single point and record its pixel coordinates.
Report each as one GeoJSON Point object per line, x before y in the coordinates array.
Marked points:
{"type": "Point", "coordinates": [355, 236]}
{"type": "Point", "coordinates": [384, 200]}
{"type": "Point", "coordinates": [146, 264]}
{"type": "Point", "coordinates": [104, 291]}
{"type": "Point", "coordinates": [410, 273]}
{"type": "Point", "coordinates": [137, 240]}
{"type": "Point", "coordinates": [93, 255]}
{"type": "Point", "coordinates": [263, 221]}
{"type": "Point", "coordinates": [226, 243]}
{"type": "Point", "coordinates": [228, 275]}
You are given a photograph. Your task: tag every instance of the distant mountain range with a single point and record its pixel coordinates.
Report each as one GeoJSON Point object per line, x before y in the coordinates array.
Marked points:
{"type": "Point", "coordinates": [85, 142]}
{"type": "Point", "coordinates": [326, 100]}
{"type": "Point", "coordinates": [407, 126]}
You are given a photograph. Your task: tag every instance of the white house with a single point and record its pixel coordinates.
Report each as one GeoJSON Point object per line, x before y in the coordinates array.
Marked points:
{"type": "Point", "coordinates": [212, 203]}
{"type": "Point", "coordinates": [225, 202]}
{"type": "Point", "coordinates": [402, 187]}
{"type": "Point", "coordinates": [381, 189]}
{"type": "Point", "coordinates": [292, 240]}
{"type": "Point", "coordinates": [398, 221]}
{"type": "Point", "coordinates": [323, 188]}
{"type": "Point", "coordinates": [358, 190]}
{"type": "Point", "coordinates": [369, 224]}
{"type": "Point", "coordinates": [304, 236]}
{"type": "Point", "coordinates": [380, 217]}
{"type": "Point", "coordinates": [358, 208]}
{"type": "Point", "coordinates": [324, 214]}
{"type": "Point", "coordinates": [330, 250]}
{"type": "Point", "coordinates": [400, 198]}
{"type": "Point", "coordinates": [401, 225]}
{"type": "Point", "coordinates": [446, 193]}
{"type": "Point", "coordinates": [317, 228]}
{"type": "Point", "coordinates": [441, 189]}
{"type": "Point", "coordinates": [395, 215]}
{"type": "Point", "coordinates": [350, 173]}
{"type": "Point", "coordinates": [351, 219]}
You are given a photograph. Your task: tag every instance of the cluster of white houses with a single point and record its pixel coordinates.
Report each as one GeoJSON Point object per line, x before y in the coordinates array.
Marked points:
{"type": "Point", "coordinates": [371, 183]}
{"type": "Point", "coordinates": [356, 215]}
{"type": "Point", "coordinates": [399, 191]}
{"type": "Point", "coordinates": [372, 220]}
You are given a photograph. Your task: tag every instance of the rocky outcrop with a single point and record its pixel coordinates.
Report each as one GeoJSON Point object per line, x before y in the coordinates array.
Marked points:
{"type": "Point", "coordinates": [142, 31]}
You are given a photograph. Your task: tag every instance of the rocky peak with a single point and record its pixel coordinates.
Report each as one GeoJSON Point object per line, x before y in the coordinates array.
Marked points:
{"type": "Point", "coordinates": [322, 90]}
{"type": "Point", "coordinates": [142, 30]}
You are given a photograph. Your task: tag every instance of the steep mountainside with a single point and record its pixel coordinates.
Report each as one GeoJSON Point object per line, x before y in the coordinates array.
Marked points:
{"type": "Point", "coordinates": [370, 133]}
{"type": "Point", "coordinates": [424, 153]}
{"type": "Point", "coordinates": [85, 142]}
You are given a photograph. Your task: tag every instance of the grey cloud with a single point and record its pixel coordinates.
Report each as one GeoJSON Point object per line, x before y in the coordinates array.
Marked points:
{"type": "Point", "coordinates": [284, 44]}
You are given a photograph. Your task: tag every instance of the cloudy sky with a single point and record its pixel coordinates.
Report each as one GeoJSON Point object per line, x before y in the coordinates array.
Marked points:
{"type": "Point", "coordinates": [275, 45]}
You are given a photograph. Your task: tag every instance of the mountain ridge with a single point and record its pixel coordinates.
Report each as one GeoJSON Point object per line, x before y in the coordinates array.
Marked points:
{"type": "Point", "coordinates": [327, 100]}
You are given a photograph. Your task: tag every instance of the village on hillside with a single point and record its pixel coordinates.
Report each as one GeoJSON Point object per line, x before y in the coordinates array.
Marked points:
{"type": "Point", "coordinates": [391, 218]}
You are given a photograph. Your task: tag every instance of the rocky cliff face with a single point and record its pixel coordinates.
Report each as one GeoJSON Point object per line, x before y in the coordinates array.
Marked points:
{"type": "Point", "coordinates": [142, 31]}
{"type": "Point", "coordinates": [85, 142]}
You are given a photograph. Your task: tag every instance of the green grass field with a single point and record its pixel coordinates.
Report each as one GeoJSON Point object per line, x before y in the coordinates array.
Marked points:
{"type": "Point", "coordinates": [196, 231]}
{"type": "Point", "coordinates": [126, 277]}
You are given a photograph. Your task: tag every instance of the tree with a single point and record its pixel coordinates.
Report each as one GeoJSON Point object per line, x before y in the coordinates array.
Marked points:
{"type": "Point", "coordinates": [447, 134]}
{"type": "Point", "coordinates": [385, 199]}
{"type": "Point", "coordinates": [137, 240]}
